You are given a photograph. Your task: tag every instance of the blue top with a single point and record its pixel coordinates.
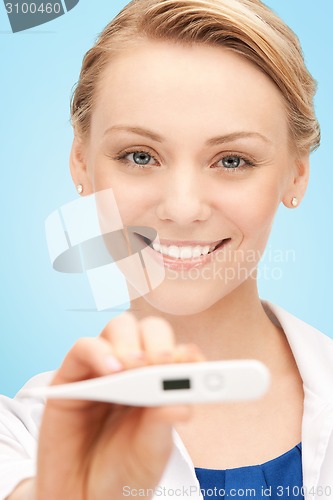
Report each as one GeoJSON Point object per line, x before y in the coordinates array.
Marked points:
{"type": "Point", "coordinates": [275, 479]}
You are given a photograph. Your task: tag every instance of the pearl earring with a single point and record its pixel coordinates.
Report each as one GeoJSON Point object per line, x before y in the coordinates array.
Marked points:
{"type": "Point", "coordinates": [294, 201]}
{"type": "Point", "coordinates": [79, 188]}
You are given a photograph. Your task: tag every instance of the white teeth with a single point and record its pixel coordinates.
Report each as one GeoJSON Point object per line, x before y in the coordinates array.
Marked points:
{"type": "Point", "coordinates": [196, 251]}
{"type": "Point", "coordinates": [186, 253]}
{"type": "Point", "coordinates": [173, 251]}
{"type": "Point", "coordinates": [205, 250]}
{"type": "Point", "coordinates": [182, 252]}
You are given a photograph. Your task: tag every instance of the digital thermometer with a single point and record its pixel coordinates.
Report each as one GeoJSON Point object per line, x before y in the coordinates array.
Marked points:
{"type": "Point", "coordinates": [156, 385]}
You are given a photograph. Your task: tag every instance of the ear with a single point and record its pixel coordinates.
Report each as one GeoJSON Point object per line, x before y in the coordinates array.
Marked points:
{"type": "Point", "coordinates": [79, 168]}
{"type": "Point", "coordinates": [298, 181]}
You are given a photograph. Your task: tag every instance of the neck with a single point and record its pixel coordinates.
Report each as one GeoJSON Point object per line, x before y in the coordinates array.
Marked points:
{"type": "Point", "coordinates": [234, 328]}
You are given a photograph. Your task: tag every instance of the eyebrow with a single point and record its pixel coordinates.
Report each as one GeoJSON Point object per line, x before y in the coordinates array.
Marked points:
{"type": "Point", "coordinates": [214, 141]}
{"type": "Point", "coordinates": [135, 130]}
{"type": "Point", "coordinates": [234, 136]}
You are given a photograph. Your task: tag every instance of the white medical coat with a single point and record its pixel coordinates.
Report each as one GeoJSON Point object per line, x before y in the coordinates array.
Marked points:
{"type": "Point", "coordinates": [313, 352]}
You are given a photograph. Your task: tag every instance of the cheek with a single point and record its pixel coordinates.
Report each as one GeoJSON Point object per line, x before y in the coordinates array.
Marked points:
{"type": "Point", "coordinates": [251, 207]}
{"type": "Point", "coordinates": [134, 202]}
{"type": "Point", "coordinates": [133, 195]}
{"type": "Point", "coordinates": [259, 215]}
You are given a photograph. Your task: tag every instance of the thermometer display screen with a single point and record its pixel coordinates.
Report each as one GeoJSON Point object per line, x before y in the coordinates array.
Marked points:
{"type": "Point", "coordinates": [180, 383]}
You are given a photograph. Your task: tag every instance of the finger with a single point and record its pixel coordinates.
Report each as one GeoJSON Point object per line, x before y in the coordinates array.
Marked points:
{"type": "Point", "coordinates": [88, 358]}
{"type": "Point", "coordinates": [158, 339]}
{"type": "Point", "coordinates": [123, 334]}
{"type": "Point", "coordinates": [188, 353]}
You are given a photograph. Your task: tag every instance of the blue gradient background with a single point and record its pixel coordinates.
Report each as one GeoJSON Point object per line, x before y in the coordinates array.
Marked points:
{"type": "Point", "coordinates": [39, 317]}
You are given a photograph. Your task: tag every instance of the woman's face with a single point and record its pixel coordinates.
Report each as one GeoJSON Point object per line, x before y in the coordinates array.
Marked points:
{"type": "Point", "coordinates": [194, 143]}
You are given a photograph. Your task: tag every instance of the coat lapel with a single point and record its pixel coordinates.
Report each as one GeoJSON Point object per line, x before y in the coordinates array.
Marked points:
{"type": "Point", "coordinates": [313, 353]}
{"type": "Point", "coordinates": [179, 479]}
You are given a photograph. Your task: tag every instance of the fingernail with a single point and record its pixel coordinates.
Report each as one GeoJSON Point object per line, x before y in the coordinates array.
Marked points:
{"type": "Point", "coordinates": [113, 364]}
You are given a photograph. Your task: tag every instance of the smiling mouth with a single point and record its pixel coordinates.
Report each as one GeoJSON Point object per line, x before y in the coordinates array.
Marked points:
{"type": "Point", "coordinates": [184, 251]}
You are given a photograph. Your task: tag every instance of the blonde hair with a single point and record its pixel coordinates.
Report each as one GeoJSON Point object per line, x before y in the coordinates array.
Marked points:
{"type": "Point", "coordinates": [247, 27]}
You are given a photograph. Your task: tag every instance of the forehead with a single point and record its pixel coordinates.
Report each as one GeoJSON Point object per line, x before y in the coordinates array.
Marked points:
{"type": "Point", "coordinates": [204, 87]}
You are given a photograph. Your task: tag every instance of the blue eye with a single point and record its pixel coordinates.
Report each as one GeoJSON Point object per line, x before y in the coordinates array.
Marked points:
{"type": "Point", "coordinates": [141, 158]}
{"type": "Point", "coordinates": [231, 161]}
{"type": "Point", "coordinates": [137, 158]}
{"type": "Point", "coordinates": [234, 162]}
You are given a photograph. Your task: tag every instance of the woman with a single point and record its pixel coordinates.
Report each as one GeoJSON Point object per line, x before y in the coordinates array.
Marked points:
{"type": "Point", "coordinates": [199, 115]}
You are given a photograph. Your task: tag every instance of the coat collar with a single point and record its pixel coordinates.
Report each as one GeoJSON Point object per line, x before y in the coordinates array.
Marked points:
{"type": "Point", "coordinates": [313, 353]}
{"type": "Point", "coordinates": [312, 350]}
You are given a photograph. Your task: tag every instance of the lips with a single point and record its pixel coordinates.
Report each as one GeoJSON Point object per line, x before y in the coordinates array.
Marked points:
{"type": "Point", "coordinates": [184, 254]}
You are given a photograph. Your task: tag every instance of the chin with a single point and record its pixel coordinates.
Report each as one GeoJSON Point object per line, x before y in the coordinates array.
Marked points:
{"type": "Point", "coordinates": [190, 297]}
{"type": "Point", "coordinates": [177, 308]}
{"type": "Point", "coordinates": [183, 303]}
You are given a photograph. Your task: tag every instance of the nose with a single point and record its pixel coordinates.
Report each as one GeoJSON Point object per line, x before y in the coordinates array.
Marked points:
{"type": "Point", "coordinates": [184, 197]}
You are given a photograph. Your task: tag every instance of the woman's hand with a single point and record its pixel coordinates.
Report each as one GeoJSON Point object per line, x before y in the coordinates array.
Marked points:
{"type": "Point", "coordinates": [91, 451]}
